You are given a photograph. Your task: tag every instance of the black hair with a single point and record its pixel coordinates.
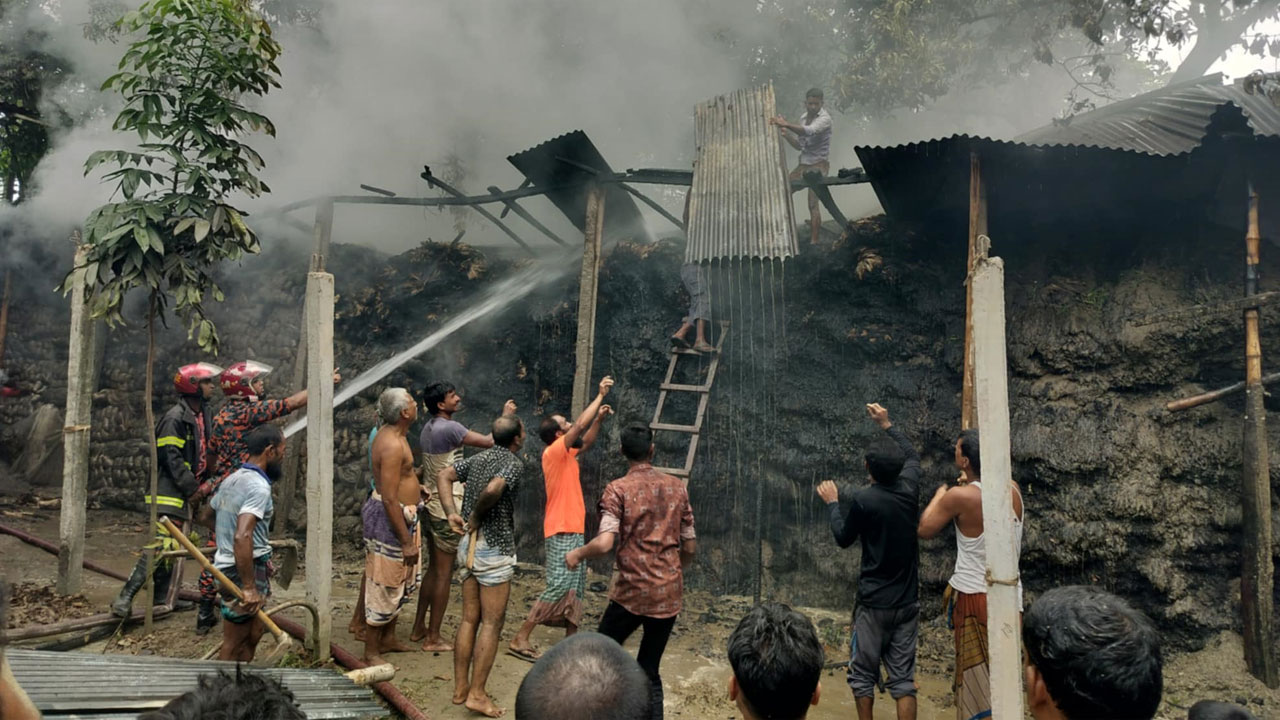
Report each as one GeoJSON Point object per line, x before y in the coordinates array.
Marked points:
{"type": "Point", "coordinates": [584, 677]}
{"type": "Point", "coordinates": [777, 659]}
{"type": "Point", "coordinates": [505, 430]}
{"type": "Point", "coordinates": [884, 461]}
{"type": "Point", "coordinates": [243, 696]}
{"type": "Point", "coordinates": [435, 394]}
{"type": "Point", "coordinates": [1216, 710]}
{"type": "Point", "coordinates": [636, 441]}
{"type": "Point", "coordinates": [970, 450]}
{"type": "Point", "coordinates": [813, 92]}
{"type": "Point", "coordinates": [548, 428]}
{"type": "Point", "coordinates": [1100, 659]}
{"type": "Point", "coordinates": [266, 435]}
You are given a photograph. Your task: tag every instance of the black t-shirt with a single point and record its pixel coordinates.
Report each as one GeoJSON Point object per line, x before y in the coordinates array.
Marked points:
{"type": "Point", "coordinates": [885, 517]}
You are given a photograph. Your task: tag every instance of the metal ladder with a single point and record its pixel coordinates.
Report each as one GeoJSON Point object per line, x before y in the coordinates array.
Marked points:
{"type": "Point", "coordinates": [704, 392]}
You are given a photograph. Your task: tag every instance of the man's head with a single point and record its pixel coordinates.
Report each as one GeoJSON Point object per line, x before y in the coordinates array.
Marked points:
{"type": "Point", "coordinates": [813, 100]}
{"type": "Point", "coordinates": [968, 457]}
{"type": "Point", "coordinates": [396, 407]}
{"type": "Point", "coordinates": [777, 659]}
{"type": "Point", "coordinates": [884, 460]}
{"type": "Point", "coordinates": [637, 443]}
{"type": "Point", "coordinates": [196, 381]}
{"type": "Point", "coordinates": [243, 695]}
{"type": "Point", "coordinates": [583, 677]}
{"type": "Point", "coordinates": [441, 397]}
{"type": "Point", "coordinates": [554, 426]}
{"type": "Point", "coordinates": [508, 432]}
{"type": "Point", "coordinates": [265, 445]}
{"type": "Point", "coordinates": [1090, 655]}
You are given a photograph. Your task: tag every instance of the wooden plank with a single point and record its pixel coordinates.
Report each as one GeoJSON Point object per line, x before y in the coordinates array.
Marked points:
{"type": "Point", "coordinates": [319, 551]}
{"type": "Point", "coordinates": [675, 387]}
{"type": "Point", "coordinates": [588, 284]}
{"type": "Point", "coordinates": [433, 181]}
{"type": "Point", "coordinates": [1003, 607]}
{"type": "Point", "coordinates": [75, 434]}
{"type": "Point", "coordinates": [524, 215]}
{"type": "Point", "coordinates": [678, 472]}
{"type": "Point", "coordinates": [651, 203]}
{"type": "Point", "coordinates": [977, 227]}
{"type": "Point", "coordinates": [674, 428]}
{"type": "Point", "coordinates": [1257, 572]}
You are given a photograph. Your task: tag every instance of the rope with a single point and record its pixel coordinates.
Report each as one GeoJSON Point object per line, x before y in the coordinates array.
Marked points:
{"type": "Point", "coordinates": [1010, 583]}
{"type": "Point", "coordinates": [67, 430]}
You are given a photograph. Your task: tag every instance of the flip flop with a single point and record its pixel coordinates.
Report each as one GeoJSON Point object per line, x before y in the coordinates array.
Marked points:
{"type": "Point", "coordinates": [531, 655]}
{"type": "Point", "coordinates": [680, 343]}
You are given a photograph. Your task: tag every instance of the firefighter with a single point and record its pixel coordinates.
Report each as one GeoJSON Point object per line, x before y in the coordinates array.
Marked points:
{"type": "Point", "coordinates": [246, 408]}
{"type": "Point", "coordinates": [181, 446]}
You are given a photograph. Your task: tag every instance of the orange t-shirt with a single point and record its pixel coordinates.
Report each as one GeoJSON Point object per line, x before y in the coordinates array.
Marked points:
{"type": "Point", "coordinates": [566, 512]}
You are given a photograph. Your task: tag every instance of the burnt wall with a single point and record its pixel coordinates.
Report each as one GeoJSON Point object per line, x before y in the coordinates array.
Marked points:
{"type": "Point", "coordinates": [1118, 491]}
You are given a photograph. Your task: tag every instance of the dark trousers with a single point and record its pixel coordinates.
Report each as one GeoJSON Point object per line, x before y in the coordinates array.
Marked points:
{"type": "Point", "coordinates": [618, 623]}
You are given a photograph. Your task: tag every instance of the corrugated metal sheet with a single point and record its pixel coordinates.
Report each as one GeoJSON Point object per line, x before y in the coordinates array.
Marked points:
{"type": "Point", "coordinates": [740, 201]}
{"type": "Point", "coordinates": [1169, 121]}
{"type": "Point", "coordinates": [84, 685]}
{"type": "Point", "coordinates": [560, 163]}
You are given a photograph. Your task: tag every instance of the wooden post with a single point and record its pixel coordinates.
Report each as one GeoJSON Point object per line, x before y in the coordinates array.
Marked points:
{"type": "Point", "coordinates": [977, 228]}
{"type": "Point", "coordinates": [319, 305]}
{"type": "Point", "coordinates": [75, 435]}
{"type": "Point", "coordinates": [1256, 574]}
{"type": "Point", "coordinates": [4, 312]}
{"type": "Point", "coordinates": [1003, 635]}
{"type": "Point", "coordinates": [588, 283]}
{"type": "Point", "coordinates": [293, 453]}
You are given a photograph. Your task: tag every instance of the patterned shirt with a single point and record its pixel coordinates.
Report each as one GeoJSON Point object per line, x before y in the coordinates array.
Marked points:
{"type": "Point", "coordinates": [497, 525]}
{"type": "Point", "coordinates": [651, 515]}
{"type": "Point", "coordinates": [236, 418]}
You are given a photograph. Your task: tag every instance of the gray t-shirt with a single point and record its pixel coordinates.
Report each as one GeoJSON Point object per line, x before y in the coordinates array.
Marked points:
{"type": "Point", "coordinates": [245, 491]}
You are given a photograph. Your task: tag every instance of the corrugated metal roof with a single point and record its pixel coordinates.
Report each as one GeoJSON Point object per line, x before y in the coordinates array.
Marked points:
{"type": "Point", "coordinates": [562, 163]}
{"type": "Point", "coordinates": [1169, 121]}
{"type": "Point", "coordinates": [85, 685]}
{"type": "Point", "coordinates": [740, 200]}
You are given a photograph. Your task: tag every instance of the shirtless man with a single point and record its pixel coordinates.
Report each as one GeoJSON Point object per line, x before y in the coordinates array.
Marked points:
{"type": "Point", "coordinates": [392, 539]}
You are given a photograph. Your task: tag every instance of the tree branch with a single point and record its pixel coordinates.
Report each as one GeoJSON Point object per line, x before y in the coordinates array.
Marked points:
{"type": "Point", "coordinates": [1217, 37]}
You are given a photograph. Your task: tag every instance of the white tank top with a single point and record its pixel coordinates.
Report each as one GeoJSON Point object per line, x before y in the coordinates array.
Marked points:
{"type": "Point", "coordinates": [970, 575]}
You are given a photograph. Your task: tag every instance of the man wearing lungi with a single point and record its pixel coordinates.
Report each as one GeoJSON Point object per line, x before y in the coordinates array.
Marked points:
{"type": "Point", "coordinates": [966, 595]}
{"type": "Point", "coordinates": [560, 605]}
{"type": "Point", "coordinates": [392, 538]}
{"type": "Point", "coordinates": [487, 554]}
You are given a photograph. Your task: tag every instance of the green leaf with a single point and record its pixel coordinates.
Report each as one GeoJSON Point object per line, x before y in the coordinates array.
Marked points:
{"type": "Point", "coordinates": [183, 225]}
{"type": "Point", "coordinates": [202, 229]}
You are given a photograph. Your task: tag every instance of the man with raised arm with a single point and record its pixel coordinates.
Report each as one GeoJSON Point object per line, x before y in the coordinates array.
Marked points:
{"type": "Point", "coordinates": [488, 554]}
{"type": "Point", "coordinates": [886, 621]}
{"type": "Point", "coordinates": [564, 523]}
{"type": "Point", "coordinates": [392, 540]}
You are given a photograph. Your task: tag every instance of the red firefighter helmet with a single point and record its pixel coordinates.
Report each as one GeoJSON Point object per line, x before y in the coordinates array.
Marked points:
{"type": "Point", "coordinates": [187, 380]}
{"type": "Point", "coordinates": [237, 380]}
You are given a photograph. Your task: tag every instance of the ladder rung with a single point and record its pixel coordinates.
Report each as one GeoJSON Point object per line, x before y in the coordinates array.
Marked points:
{"type": "Point", "coordinates": [678, 472]}
{"type": "Point", "coordinates": [688, 351]}
{"type": "Point", "coordinates": [684, 388]}
{"type": "Point", "coordinates": [674, 428]}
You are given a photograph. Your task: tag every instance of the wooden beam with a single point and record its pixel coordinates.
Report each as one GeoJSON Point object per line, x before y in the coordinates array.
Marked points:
{"type": "Point", "coordinates": [653, 204]}
{"type": "Point", "coordinates": [434, 181]}
{"type": "Point", "coordinates": [1003, 606]}
{"type": "Point", "coordinates": [75, 435]}
{"type": "Point", "coordinates": [322, 233]}
{"type": "Point", "coordinates": [1257, 572]}
{"type": "Point", "coordinates": [319, 552]}
{"type": "Point", "coordinates": [588, 284]}
{"type": "Point", "coordinates": [977, 228]}
{"type": "Point", "coordinates": [524, 215]}
{"type": "Point", "coordinates": [1213, 395]}
{"type": "Point", "coordinates": [526, 183]}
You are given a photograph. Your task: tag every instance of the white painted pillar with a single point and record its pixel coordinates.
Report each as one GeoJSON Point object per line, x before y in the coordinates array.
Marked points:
{"type": "Point", "coordinates": [992, 389]}
{"type": "Point", "coordinates": [319, 553]}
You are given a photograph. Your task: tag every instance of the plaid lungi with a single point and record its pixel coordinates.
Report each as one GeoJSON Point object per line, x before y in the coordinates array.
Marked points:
{"type": "Point", "coordinates": [561, 603]}
{"type": "Point", "coordinates": [967, 617]}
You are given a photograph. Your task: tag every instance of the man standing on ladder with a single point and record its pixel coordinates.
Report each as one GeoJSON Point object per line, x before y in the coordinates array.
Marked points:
{"type": "Point", "coordinates": [182, 454]}
{"type": "Point", "coordinates": [812, 137]}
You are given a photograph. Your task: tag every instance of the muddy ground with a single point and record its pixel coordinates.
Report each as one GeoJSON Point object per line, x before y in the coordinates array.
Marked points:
{"type": "Point", "coordinates": [695, 668]}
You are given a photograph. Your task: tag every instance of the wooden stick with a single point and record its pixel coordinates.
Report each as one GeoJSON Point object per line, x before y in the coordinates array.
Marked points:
{"type": "Point", "coordinates": [319, 550]}
{"type": "Point", "coordinates": [588, 285]}
{"type": "Point", "coordinates": [977, 228]}
{"type": "Point", "coordinates": [471, 550]}
{"type": "Point", "coordinates": [1212, 395]}
{"type": "Point", "coordinates": [434, 181]}
{"type": "Point", "coordinates": [524, 215]}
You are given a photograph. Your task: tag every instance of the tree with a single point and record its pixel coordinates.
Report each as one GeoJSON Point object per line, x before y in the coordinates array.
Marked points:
{"type": "Point", "coordinates": [182, 81]}
{"type": "Point", "coordinates": [26, 73]}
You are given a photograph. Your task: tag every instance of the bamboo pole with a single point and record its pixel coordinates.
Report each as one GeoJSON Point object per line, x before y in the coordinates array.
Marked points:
{"type": "Point", "coordinates": [1257, 573]}
{"type": "Point", "coordinates": [977, 228]}
{"type": "Point", "coordinates": [4, 312]}
{"type": "Point", "coordinates": [75, 436]}
{"type": "Point", "coordinates": [992, 390]}
{"type": "Point", "coordinates": [148, 394]}
{"type": "Point", "coordinates": [319, 550]}
{"type": "Point", "coordinates": [588, 285]}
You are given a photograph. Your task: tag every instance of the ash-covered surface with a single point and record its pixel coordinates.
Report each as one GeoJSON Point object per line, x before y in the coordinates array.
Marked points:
{"type": "Point", "coordinates": [1118, 491]}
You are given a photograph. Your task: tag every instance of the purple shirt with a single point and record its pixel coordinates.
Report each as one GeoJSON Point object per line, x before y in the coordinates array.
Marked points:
{"type": "Point", "coordinates": [441, 436]}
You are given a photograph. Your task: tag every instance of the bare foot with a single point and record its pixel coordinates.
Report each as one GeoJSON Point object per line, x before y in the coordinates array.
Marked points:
{"type": "Point", "coordinates": [704, 347]}
{"type": "Point", "coordinates": [484, 706]}
{"type": "Point", "coordinates": [418, 633]}
{"type": "Point", "coordinates": [372, 660]}
{"type": "Point", "coordinates": [437, 645]}
{"type": "Point", "coordinates": [393, 644]}
{"type": "Point", "coordinates": [460, 694]}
